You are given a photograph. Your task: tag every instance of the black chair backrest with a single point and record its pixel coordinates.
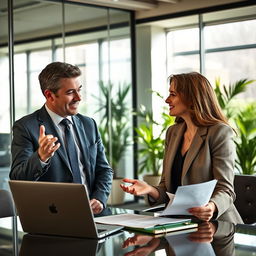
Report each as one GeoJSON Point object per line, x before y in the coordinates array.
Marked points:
{"type": "Point", "coordinates": [7, 208]}
{"type": "Point", "coordinates": [245, 189]}
{"type": "Point", "coordinates": [5, 156]}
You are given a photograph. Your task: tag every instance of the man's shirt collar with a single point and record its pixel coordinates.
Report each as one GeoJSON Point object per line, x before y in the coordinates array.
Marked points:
{"type": "Point", "coordinates": [55, 117]}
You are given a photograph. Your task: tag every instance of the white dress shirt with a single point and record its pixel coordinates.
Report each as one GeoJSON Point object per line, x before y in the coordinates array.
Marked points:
{"type": "Point", "coordinates": [60, 129]}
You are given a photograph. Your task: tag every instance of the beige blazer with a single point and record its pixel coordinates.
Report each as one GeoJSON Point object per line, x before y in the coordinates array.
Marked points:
{"type": "Point", "coordinates": [210, 156]}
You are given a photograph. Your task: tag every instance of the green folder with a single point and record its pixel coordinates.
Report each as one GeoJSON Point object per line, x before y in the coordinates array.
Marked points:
{"type": "Point", "coordinates": [158, 229]}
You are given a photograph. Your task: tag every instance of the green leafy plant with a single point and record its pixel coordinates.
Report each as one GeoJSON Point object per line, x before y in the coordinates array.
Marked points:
{"type": "Point", "coordinates": [226, 94]}
{"type": "Point", "coordinates": [150, 136]}
{"type": "Point", "coordinates": [246, 141]}
{"type": "Point", "coordinates": [114, 127]}
{"type": "Point", "coordinates": [244, 121]}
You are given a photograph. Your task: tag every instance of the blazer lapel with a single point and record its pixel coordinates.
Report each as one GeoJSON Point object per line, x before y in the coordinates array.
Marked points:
{"type": "Point", "coordinates": [193, 150]}
{"type": "Point", "coordinates": [45, 119]}
{"type": "Point", "coordinates": [84, 143]}
{"type": "Point", "coordinates": [174, 143]}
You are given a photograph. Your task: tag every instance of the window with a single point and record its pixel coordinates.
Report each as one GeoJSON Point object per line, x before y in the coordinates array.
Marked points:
{"type": "Point", "coordinates": [5, 101]}
{"type": "Point", "coordinates": [183, 46]}
{"type": "Point", "coordinates": [86, 56]}
{"type": "Point", "coordinates": [228, 47]}
{"type": "Point", "coordinates": [230, 34]}
{"type": "Point", "coordinates": [120, 61]}
{"type": "Point", "coordinates": [230, 52]}
{"type": "Point", "coordinates": [37, 60]}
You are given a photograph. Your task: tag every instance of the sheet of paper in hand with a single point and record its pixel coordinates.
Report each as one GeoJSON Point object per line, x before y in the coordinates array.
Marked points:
{"type": "Point", "coordinates": [189, 196]}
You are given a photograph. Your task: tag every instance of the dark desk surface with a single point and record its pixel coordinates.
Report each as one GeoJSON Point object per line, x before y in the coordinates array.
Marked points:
{"type": "Point", "coordinates": [227, 240]}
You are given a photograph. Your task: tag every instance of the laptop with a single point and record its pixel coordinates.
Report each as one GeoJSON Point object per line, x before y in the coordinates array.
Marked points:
{"type": "Point", "coordinates": [53, 208]}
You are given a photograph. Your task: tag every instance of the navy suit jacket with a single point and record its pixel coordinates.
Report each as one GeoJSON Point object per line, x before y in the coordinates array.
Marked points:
{"type": "Point", "coordinates": [26, 164]}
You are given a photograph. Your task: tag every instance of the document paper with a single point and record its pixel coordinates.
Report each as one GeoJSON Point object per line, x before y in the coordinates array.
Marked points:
{"type": "Point", "coordinates": [189, 196]}
{"type": "Point", "coordinates": [137, 221]}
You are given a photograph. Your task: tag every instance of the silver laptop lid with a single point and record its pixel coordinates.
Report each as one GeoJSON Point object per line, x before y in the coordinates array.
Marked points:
{"type": "Point", "coordinates": [54, 208]}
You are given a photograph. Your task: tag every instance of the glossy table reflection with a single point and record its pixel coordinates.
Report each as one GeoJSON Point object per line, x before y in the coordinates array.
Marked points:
{"type": "Point", "coordinates": [215, 238]}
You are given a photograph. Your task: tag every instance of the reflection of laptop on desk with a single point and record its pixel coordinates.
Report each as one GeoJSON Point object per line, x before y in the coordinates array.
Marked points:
{"type": "Point", "coordinates": [56, 209]}
{"type": "Point", "coordinates": [40, 245]}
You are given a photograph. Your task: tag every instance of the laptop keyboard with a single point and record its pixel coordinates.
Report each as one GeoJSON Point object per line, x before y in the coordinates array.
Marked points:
{"type": "Point", "coordinates": [101, 230]}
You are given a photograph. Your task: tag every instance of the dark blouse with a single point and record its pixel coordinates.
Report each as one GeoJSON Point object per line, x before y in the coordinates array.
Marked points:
{"type": "Point", "coordinates": [177, 169]}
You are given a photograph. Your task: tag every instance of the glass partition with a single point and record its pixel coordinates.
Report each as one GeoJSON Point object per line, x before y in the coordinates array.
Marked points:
{"type": "Point", "coordinates": [97, 39]}
{"type": "Point", "coordinates": [116, 73]}
{"type": "Point", "coordinates": [31, 55]}
{"type": "Point", "coordinates": [5, 99]}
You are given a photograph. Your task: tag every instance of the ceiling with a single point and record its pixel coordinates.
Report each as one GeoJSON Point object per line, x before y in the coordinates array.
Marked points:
{"type": "Point", "coordinates": [136, 5]}
{"type": "Point", "coordinates": [35, 18]}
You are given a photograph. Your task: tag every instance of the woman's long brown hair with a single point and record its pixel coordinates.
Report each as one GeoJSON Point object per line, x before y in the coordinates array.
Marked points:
{"type": "Point", "coordinates": [197, 93]}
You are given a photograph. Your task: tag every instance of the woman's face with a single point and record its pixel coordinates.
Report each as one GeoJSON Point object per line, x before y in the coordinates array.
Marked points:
{"type": "Point", "coordinates": [176, 106]}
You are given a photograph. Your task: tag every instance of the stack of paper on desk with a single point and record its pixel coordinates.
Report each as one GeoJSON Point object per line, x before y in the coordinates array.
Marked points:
{"type": "Point", "coordinates": [147, 224]}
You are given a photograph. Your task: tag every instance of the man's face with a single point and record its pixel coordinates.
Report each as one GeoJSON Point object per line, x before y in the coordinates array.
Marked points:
{"type": "Point", "coordinates": [66, 100]}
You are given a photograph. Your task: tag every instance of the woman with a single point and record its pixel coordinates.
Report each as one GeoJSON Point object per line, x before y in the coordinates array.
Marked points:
{"type": "Point", "coordinates": [198, 148]}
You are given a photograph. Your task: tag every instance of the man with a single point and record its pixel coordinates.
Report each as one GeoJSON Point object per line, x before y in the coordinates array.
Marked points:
{"type": "Point", "coordinates": [57, 144]}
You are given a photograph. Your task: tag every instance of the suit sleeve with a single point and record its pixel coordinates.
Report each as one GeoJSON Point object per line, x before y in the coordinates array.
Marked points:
{"type": "Point", "coordinates": [223, 160]}
{"type": "Point", "coordinates": [103, 172]}
{"type": "Point", "coordinates": [26, 164]}
{"type": "Point", "coordinates": [163, 198]}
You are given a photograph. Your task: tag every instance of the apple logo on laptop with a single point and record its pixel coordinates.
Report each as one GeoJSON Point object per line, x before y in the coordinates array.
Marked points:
{"type": "Point", "coordinates": [53, 208]}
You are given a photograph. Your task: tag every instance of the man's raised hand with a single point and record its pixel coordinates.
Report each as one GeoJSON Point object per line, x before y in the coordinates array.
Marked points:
{"type": "Point", "coordinates": [47, 145]}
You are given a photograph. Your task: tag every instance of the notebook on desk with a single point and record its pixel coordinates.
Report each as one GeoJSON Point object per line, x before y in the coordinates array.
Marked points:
{"type": "Point", "coordinates": [148, 224]}
{"type": "Point", "coordinates": [56, 209]}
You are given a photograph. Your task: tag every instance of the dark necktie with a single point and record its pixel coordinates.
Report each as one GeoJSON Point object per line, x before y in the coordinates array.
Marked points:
{"type": "Point", "coordinates": [71, 150]}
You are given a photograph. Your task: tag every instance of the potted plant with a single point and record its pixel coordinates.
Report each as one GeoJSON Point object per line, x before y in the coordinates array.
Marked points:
{"type": "Point", "coordinates": [244, 121]}
{"type": "Point", "coordinates": [115, 131]}
{"type": "Point", "coordinates": [246, 140]}
{"type": "Point", "coordinates": [226, 95]}
{"type": "Point", "coordinates": [151, 140]}
{"type": "Point", "coordinates": [245, 124]}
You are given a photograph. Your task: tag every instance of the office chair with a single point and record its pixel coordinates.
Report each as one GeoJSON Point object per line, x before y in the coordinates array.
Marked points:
{"type": "Point", "coordinates": [5, 152]}
{"type": "Point", "coordinates": [7, 208]}
{"type": "Point", "coordinates": [245, 189]}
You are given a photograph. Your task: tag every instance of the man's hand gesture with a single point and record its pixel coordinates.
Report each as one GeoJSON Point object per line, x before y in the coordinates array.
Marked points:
{"type": "Point", "coordinates": [47, 145]}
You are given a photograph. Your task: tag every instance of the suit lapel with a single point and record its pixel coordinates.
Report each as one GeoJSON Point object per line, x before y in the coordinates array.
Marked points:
{"type": "Point", "coordinates": [174, 143]}
{"type": "Point", "coordinates": [84, 143]}
{"type": "Point", "coordinates": [45, 119]}
{"type": "Point", "coordinates": [193, 150]}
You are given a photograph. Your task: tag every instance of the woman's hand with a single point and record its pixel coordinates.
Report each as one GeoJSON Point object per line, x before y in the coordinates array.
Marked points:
{"type": "Point", "coordinates": [204, 212]}
{"type": "Point", "coordinates": [139, 188]}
